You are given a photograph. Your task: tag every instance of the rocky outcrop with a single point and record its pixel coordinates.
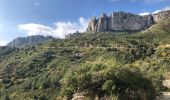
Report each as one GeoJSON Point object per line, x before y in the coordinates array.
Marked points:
{"type": "Point", "coordinates": [88, 96]}
{"type": "Point", "coordinates": [121, 21]}
{"type": "Point", "coordinates": [21, 41]}
{"type": "Point", "coordinates": [79, 96]}
{"type": "Point", "coordinates": [161, 15]}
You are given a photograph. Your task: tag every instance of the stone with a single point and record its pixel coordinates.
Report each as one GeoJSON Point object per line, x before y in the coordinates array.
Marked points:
{"type": "Point", "coordinates": [103, 23]}
{"type": "Point", "coordinates": [161, 15]}
{"type": "Point", "coordinates": [122, 21]}
{"type": "Point", "coordinates": [79, 96]}
{"type": "Point", "coordinates": [126, 22]}
{"type": "Point", "coordinates": [92, 24]}
{"type": "Point", "coordinates": [149, 20]}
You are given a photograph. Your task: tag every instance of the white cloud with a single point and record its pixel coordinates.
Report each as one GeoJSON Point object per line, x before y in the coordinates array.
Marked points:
{"type": "Point", "coordinates": [164, 9]}
{"type": "Point", "coordinates": [35, 29]}
{"type": "Point", "coordinates": [154, 12]}
{"type": "Point", "coordinates": [3, 43]}
{"type": "Point", "coordinates": [59, 30]}
{"type": "Point", "coordinates": [36, 3]}
{"type": "Point", "coordinates": [144, 13]}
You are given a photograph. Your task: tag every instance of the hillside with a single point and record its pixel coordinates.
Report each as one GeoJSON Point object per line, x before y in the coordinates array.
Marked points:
{"type": "Point", "coordinates": [112, 65]}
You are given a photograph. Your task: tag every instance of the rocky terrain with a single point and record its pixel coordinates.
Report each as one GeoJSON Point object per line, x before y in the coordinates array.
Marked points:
{"type": "Point", "coordinates": [21, 41]}
{"type": "Point", "coordinates": [161, 15]}
{"type": "Point", "coordinates": [122, 21]}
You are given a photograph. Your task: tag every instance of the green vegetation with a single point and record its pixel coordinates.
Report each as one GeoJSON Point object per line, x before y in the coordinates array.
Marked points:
{"type": "Point", "coordinates": [109, 64]}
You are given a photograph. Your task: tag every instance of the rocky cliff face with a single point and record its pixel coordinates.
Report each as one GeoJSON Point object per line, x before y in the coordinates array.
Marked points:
{"type": "Point", "coordinates": [161, 15]}
{"type": "Point", "coordinates": [121, 21]}
{"type": "Point", "coordinates": [21, 41]}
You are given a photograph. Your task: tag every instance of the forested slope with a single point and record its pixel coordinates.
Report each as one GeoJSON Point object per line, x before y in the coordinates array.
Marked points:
{"type": "Point", "coordinates": [113, 65]}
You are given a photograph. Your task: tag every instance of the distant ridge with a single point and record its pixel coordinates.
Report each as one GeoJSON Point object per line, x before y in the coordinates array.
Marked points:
{"type": "Point", "coordinates": [21, 41]}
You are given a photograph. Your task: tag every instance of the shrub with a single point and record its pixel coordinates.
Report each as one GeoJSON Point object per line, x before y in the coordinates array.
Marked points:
{"type": "Point", "coordinates": [123, 83]}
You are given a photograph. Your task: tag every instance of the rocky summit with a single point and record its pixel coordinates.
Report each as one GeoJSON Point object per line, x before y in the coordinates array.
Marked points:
{"type": "Point", "coordinates": [122, 21]}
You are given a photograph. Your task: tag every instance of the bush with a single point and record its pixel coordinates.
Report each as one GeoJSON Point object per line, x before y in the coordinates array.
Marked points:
{"type": "Point", "coordinates": [123, 83]}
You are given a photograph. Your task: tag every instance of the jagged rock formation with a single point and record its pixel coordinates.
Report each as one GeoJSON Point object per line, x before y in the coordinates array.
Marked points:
{"type": "Point", "coordinates": [121, 21]}
{"type": "Point", "coordinates": [21, 41]}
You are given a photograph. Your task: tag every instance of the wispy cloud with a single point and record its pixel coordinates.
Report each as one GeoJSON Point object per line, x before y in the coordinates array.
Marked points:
{"type": "Point", "coordinates": [154, 12]}
{"type": "Point", "coordinates": [59, 30]}
{"type": "Point", "coordinates": [164, 9]}
{"type": "Point", "coordinates": [144, 13]}
{"type": "Point", "coordinates": [3, 43]}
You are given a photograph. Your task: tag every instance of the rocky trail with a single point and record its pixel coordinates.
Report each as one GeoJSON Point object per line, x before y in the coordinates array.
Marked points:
{"type": "Point", "coordinates": [166, 82]}
{"type": "Point", "coordinates": [166, 96]}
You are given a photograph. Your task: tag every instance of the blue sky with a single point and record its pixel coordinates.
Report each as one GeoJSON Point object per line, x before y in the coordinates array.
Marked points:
{"type": "Point", "coordinates": [20, 18]}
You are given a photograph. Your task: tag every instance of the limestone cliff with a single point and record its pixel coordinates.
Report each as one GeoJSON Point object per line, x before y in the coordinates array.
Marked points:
{"type": "Point", "coordinates": [161, 15]}
{"type": "Point", "coordinates": [121, 21]}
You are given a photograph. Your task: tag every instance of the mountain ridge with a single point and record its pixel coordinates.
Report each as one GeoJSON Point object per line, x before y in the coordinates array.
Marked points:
{"type": "Point", "coordinates": [30, 40]}
{"type": "Point", "coordinates": [116, 22]}
{"type": "Point", "coordinates": [104, 65]}
{"type": "Point", "coordinates": [123, 21]}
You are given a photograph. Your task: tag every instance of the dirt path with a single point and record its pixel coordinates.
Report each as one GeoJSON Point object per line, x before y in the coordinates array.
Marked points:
{"type": "Point", "coordinates": [166, 96]}
{"type": "Point", "coordinates": [166, 82]}
{"type": "Point", "coordinates": [164, 46]}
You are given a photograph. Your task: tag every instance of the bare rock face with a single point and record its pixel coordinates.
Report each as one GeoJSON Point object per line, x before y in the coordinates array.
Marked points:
{"type": "Point", "coordinates": [121, 21]}
{"type": "Point", "coordinates": [103, 23]}
{"type": "Point", "coordinates": [128, 22]}
{"type": "Point", "coordinates": [92, 24]}
{"type": "Point", "coordinates": [161, 15]}
{"type": "Point", "coordinates": [79, 96]}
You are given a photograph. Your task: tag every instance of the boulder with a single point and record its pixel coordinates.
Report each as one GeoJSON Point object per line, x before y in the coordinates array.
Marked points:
{"type": "Point", "coordinates": [79, 96]}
